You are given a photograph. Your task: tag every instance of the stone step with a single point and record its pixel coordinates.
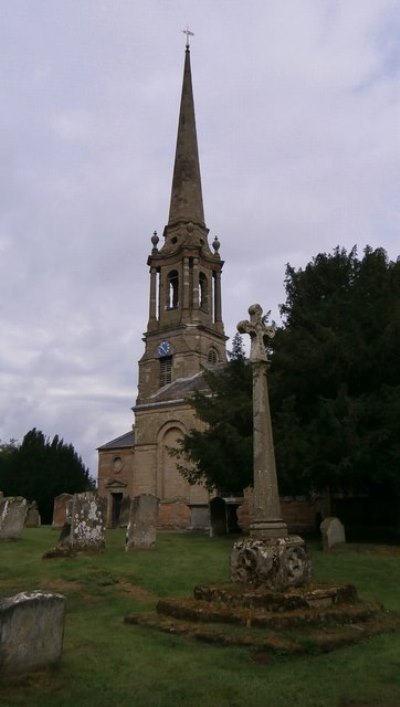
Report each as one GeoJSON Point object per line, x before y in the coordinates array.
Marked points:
{"type": "Point", "coordinates": [297, 640]}
{"type": "Point", "coordinates": [197, 610]}
{"type": "Point", "coordinates": [312, 596]}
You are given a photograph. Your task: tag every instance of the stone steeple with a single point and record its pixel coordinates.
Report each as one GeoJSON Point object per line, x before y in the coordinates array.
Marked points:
{"type": "Point", "coordinates": [186, 197]}
{"type": "Point", "coordinates": [185, 330]}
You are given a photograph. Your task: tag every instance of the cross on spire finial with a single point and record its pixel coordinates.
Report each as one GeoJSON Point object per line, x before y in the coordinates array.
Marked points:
{"type": "Point", "coordinates": [258, 329]}
{"type": "Point", "coordinates": [188, 34]}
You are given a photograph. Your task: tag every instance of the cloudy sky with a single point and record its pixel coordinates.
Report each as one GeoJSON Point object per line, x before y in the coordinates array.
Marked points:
{"type": "Point", "coordinates": [298, 119]}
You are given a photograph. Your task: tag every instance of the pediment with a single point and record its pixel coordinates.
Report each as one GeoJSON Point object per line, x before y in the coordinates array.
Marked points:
{"type": "Point", "coordinates": [116, 484]}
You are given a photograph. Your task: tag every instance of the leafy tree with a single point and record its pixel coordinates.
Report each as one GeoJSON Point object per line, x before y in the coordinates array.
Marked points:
{"type": "Point", "coordinates": [219, 455]}
{"type": "Point", "coordinates": [40, 469]}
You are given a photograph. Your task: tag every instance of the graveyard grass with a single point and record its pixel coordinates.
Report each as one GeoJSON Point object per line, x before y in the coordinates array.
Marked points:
{"type": "Point", "coordinates": [107, 662]}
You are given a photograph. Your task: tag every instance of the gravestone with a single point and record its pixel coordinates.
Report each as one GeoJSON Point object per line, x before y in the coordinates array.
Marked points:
{"type": "Point", "coordinates": [84, 529]}
{"type": "Point", "coordinates": [88, 522]}
{"type": "Point", "coordinates": [332, 532]}
{"type": "Point", "coordinates": [33, 519]}
{"type": "Point", "coordinates": [141, 532]}
{"type": "Point", "coordinates": [270, 557]}
{"type": "Point", "coordinates": [13, 511]}
{"type": "Point", "coordinates": [61, 510]}
{"type": "Point", "coordinates": [31, 631]}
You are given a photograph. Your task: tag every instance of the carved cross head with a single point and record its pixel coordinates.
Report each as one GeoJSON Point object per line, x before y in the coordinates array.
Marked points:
{"type": "Point", "coordinates": [258, 329]}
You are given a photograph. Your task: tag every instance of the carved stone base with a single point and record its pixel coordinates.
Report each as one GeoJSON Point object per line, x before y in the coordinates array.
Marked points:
{"type": "Point", "coordinates": [275, 563]}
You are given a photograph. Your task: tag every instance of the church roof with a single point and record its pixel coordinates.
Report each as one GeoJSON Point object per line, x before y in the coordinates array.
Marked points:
{"type": "Point", "coordinates": [186, 196]}
{"type": "Point", "coordinates": [180, 389]}
{"type": "Point", "coordinates": [125, 440]}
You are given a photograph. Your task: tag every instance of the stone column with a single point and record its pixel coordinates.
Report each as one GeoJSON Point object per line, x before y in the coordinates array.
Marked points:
{"type": "Point", "coordinates": [195, 285]}
{"type": "Point", "coordinates": [217, 297]}
{"type": "Point", "coordinates": [185, 288]}
{"type": "Point", "coordinates": [153, 295]}
{"type": "Point", "coordinates": [267, 521]}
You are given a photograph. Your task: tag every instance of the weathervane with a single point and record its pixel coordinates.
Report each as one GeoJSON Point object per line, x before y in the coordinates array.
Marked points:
{"type": "Point", "coordinates": [188, 34]}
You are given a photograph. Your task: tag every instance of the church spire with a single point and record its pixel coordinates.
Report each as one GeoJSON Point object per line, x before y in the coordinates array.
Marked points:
{"type": "Point", "coordinates": [186, 198]}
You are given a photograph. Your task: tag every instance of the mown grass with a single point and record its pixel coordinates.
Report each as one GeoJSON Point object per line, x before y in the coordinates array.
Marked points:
{"type": "Point", "coordinates": [106, 662]}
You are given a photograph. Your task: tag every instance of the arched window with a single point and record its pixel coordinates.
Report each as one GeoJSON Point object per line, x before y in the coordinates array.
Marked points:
{"type": "Point", "coordinates": [203, 291]}
{"type": "Point", "coordinates": [212, 357]}
{"type": "Point", "coordinates": [173, 289]}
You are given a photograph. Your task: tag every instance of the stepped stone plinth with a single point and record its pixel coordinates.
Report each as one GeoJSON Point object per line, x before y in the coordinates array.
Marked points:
{"type": "Point", "coordinates": [308, 619]}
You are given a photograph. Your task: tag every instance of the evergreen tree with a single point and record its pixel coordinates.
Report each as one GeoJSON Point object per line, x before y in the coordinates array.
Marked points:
{"type": "Point", "coordinates": [335, 377]}
{"type": "Point", "coordinates": [334, 385]}
{"type": "Point", "coordinates": [40, 469]}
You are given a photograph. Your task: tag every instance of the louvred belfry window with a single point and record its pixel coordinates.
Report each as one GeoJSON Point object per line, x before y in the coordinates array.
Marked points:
{"type": "Point", "coordinates": [165, 370]}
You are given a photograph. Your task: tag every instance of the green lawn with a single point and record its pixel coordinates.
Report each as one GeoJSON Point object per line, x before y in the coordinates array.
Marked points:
{"type": "Point", "coordinates": [106, 662]}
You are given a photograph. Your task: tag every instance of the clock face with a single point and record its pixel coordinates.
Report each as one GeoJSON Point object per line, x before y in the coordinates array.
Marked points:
{"type": "Point", "coordinates": [164, 349]}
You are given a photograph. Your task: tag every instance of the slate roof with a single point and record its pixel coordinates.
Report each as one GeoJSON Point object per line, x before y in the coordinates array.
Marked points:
{"type": "Point", "coordinates": [179, 389]}
{"type": "Point", "coordinates": [126, 440]}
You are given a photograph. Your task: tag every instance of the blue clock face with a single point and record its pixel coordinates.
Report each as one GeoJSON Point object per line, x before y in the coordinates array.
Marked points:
{"type": "Point", "coordinates": [164, 349]}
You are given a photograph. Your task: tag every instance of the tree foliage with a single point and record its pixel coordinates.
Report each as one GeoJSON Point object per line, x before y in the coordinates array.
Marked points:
{"type": "Point", "coordinates": [40, 469]}
{"type": "Point", "coordinates": [220, 454]}
{"type": "Point", "coordinates": [334, 385]}
{"type": "Point", "coordinates": [335, 377]}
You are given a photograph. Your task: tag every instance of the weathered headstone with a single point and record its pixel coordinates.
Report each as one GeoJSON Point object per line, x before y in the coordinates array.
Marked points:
{"type": "Point", "coordinates": [33, 519]}
{"type": "Point", "coordinates": [332, 532]}
{"type": "Point", "coordinates": [85, 527]}
{"type": "Point", "coordinates": [12, 517]}
{"type": "Point", "coordinates": [141, 532]}
{"type": "Point", "coordinates": [31, 631]}
{"type": "Point", "coordinates": [88, 522]}
{"type": "Point", "coordinates": [61, 510]}
{"type": "Point", "coordinates": [270, 557]}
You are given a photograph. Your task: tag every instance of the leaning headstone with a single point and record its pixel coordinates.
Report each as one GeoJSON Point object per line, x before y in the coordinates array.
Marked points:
{"type": "Point", "coordinates": [61, 510]}
{"type": "Point", "coordinates": [1, 495]}
{"type": "Point", "coordinates": [31, 631]}
{"type": "Point", "coordinates": [141, 532]}
{"type": "Point", "coordinates": [32, 519]}
{"type": "Point", "coordinates": [332, 532]}
{"type": "Point", "coordinates": [12, 517]}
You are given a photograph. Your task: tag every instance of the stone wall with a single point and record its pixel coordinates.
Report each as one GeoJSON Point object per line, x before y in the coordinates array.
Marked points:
{"type": "Point", "coordinates": [301, 515]}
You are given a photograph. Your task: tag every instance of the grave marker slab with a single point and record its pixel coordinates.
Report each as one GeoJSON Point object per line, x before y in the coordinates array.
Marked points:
{"type": "Point", "coordinates": [13, 511]}
{"type": "Point", "coordinates": [61, 510]}
{"type": "Point", "coordinates": [31, 631]}
{"type": "Point", "coordinates": [88, 522]}
{"type": "Point", "coordinates": [332, 531]}
{"type": "Point", "coordinates": [142, 526]}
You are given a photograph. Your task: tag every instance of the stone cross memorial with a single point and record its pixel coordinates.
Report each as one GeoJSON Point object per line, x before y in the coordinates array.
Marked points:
{"type": "Point", "coordinates": [270, 557]}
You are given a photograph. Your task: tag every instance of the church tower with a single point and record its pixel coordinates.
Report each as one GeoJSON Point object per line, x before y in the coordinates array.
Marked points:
{"type": "Point", "coordinates": [185, 330]}
{"type": "Point", "coordinates": [184, 335]}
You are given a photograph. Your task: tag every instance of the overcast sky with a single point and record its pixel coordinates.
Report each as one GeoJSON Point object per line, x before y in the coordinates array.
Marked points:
{"type": "Point", "coordinates": [298, 118]}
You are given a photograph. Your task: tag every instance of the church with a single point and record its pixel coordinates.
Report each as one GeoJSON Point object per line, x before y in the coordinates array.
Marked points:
{"type": "Point", "coordinates": [184, 335]}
